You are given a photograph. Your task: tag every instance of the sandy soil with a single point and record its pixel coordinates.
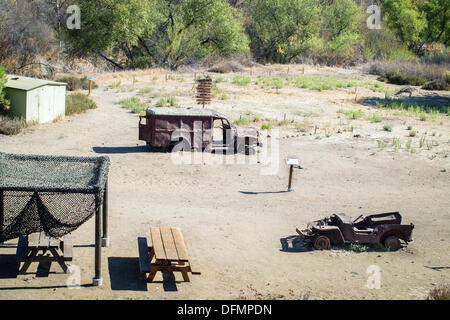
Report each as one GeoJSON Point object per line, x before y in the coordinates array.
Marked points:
{"type": "Point", "coordinates": [238, 223]}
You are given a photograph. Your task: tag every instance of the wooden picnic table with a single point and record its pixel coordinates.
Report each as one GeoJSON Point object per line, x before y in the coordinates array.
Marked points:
{"type": "Point", "coordinates": [29, 247]}
{"type": "Point", "coordinates": [167, 253]}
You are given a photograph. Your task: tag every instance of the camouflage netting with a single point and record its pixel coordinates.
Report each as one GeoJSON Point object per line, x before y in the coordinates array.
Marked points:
{"type": "Point", "coordinates": [48, 193]}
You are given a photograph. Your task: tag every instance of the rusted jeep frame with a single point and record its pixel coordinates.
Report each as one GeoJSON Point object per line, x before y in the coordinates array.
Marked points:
{"type": "Point", "coordinates": [340, 229]}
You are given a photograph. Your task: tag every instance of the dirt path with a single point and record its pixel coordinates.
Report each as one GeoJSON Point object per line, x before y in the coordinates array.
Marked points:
{"type": "Point", "coordinates": [237, 221]}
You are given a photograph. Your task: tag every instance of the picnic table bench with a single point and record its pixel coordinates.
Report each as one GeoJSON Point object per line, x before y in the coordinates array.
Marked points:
{"type": "Point", "coordinates": [168, 251]}
{"type": "Point", "coordinates": [30, 246]}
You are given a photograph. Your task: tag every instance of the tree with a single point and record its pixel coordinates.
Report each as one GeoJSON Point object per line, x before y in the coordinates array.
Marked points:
{"type": "Point", "coordinates": [437, 13]}
{"type": "Point", "coordinates": [141, 33]}
{"type": "Point", "coordinates": [25, 36]}
{"type": "Point", "coordinates": [408, 21]}
{"type": "Point", "coordinates": [341, 28]}
{"type": "Point", "coordinates": [281, 30]}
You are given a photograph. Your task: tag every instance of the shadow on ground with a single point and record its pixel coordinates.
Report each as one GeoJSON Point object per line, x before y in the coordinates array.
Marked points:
{"type": "Point", "coordinates": [294, 244]}
{"type": "Point", "coordinates": [262, 192]}
{"type": "Point", "coordinates": [120, 150]}
{"type": "Point", "coordinates": [8, 266]}
{"type": "Point", "coordinates": [125, 275]}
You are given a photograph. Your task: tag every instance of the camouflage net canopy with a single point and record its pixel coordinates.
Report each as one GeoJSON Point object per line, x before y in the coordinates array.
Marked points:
{"type": "Point", "coordinates": [49, 193]}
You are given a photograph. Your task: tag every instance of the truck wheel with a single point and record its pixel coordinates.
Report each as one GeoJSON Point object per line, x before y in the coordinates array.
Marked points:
{"type": "Point", "coordinates": [392, 243]}
{"type": "Point", "coordinates": [182, 145]}
{"type": "Point", "coordinates": [321, 243]}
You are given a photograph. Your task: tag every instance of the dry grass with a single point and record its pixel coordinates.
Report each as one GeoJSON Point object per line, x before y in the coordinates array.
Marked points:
{"type": "Point", "coordinates": [417, 71]}
{"type": "Point", "coordinates": [441, 292]}
{"type": "Point", "coordinates": [10, 126]}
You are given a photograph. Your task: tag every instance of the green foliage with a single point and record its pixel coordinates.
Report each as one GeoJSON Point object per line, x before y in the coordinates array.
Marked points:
{"type": "Point", "coordinates": [148, 32]}
{"type": "Point", "coordinates": [167, 102]}
{"type": "Point", "coordinates": [419, 22]}
{"type": "Point", "coordinates": [387, 128]}
{"type": "Point", "coordinates": [78, 103]}
{"type": "Point", "coordinates": [374, 118]}
{"type": "Point", "coordinates": [282, 30]}
{"type": "Point", "coordinates": [341, 27]}
{"type": "Point", "coordinates": [354, 115]}
{"type": "Point", "coordinates": [241, 80]}
{"type": "Point", "coordinates": [4, 103]}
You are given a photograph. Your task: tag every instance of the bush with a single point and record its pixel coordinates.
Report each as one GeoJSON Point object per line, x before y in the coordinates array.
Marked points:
{"type": "Point", "coordinates": [401, 78]}
{"type": "Point", "coordinates": [78, 103]}
{"type": "Point", "coordinates": [439, 85]}
{"type": "Point", "coordinates": [439, 293]}
{"type": "Point", "coordinates": [74, 83]}
{"type": "Point", "coordinates": [11, 126]}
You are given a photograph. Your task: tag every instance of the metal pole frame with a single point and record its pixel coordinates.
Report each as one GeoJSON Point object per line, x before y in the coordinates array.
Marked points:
{"type": "Point", "coordinates": [97, 280]}
{"type": "Point", "coordinates": [2, 213]}
{"type": "Point", "coordinates": [290, 177]}
{"type": "Point", "coordinates": [105, 237]}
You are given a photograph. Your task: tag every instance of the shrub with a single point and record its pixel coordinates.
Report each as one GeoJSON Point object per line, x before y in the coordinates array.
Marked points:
{"type": "Point", "coordinates": [353, 115]}
{"type": "Point", "coordinates": [439, 293]}
{"type": "Point", "coordinates": [78, 103]}
{"type": "Point", "coordinates": [241, 80]}
{"type": "Point", "coordinates": [401, 78]}
{"type": "Point", "coordinates": [387, 128]}
{"type": "Point", "coordinates": [167, 102]}
{"type": "Point", "coordinates": [438, 85]}
{"type": "Point", "coordinates": [266, 126]}
{"type": "Point", "coordinates": [375, 118]}
{"type": "Point", "coordinates": [11, 126]}
{"type": "Point", "coordinates": [74, 83]}
{"type": "Point", "coordinates": [133, 104]}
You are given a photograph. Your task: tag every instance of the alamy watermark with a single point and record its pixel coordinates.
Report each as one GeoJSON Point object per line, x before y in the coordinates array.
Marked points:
{"type": "Point", "coordinates": [374, 278]}
{"type": "Point", "coordinates": [74, 17]}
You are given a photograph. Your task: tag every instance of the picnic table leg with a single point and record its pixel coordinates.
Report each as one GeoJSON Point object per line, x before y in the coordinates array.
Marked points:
{"type": "Point", "coordinates": [105, 238]}
{"type": "Point", "coordinates": [28, 261]}
{"type": "Point", "coordinates": [60, 260]}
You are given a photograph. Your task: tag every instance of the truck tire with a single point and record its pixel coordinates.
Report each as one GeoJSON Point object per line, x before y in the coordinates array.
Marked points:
{"type": "Point", "coordinates": [321, 243]}
{"type": "Point", "coordinates": [182, 145]}
{"type": "Point", "coordinates": [392, 243]}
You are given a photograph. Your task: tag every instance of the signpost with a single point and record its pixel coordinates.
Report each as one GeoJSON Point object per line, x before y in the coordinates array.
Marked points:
{"type": "Point", "coordinates": [90, 84]}
{"type": "Point", "coordinates": [292, 163]}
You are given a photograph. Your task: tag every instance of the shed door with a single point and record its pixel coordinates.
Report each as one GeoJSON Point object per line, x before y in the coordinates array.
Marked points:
{"type": "Point", "coordinates": [47, 104]}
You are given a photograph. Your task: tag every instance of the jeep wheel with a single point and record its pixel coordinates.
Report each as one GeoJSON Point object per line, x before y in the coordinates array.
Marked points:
{"type": "Point", "coordinates": [392, 243]}
{"type": "Point", "coordinates": [182, 145]}
{"type": "Point", "coordinates": [321, 243]}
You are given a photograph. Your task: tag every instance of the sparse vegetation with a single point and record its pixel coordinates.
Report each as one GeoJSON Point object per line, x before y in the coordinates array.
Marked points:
{"type": "Point", "coordinates": [441, 292]}
{"type": "Point", "coordinates": [134, 104]}
{"type": "Point", "coordinates": [242, 80]}
{"type": "Point", "coordinates": [387, 128]}
{"type": "Point", "coordinates": [78, 103]}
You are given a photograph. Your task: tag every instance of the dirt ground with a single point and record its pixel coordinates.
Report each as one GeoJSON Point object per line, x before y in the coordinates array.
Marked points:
{"type": "Point", "coordinates": [239, 223]}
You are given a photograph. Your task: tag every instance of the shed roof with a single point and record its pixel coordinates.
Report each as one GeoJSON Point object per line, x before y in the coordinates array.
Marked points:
{"type": "Point", "coordinates": [186, 112]}
{"type": "Point", "coordinates": [27, 84]}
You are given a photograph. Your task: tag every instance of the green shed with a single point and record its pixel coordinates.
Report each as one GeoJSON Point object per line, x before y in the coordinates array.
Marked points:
{"type": "Point", "coordinates": [36, 100]}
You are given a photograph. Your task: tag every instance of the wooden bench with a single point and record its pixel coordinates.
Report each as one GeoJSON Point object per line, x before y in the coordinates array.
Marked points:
{"type": "Point", "coordinates": [168, 251]}
{"type": "Point", "coordinates": [30, 246]}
